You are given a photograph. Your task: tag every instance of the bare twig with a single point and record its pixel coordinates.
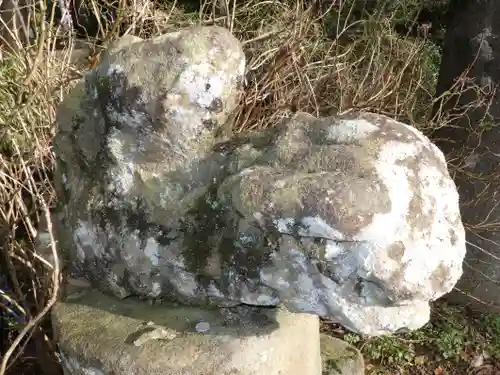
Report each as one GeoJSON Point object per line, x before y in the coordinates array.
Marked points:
{"type": "Point", "coordinates": [55, 282]}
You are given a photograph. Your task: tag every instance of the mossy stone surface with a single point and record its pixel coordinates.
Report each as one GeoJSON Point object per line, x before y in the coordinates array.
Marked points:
{"type": "Point", "coordinates": [340, 358]}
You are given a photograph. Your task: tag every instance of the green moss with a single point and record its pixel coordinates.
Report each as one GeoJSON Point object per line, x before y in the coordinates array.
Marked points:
{"type": "Point", "coordinates": [339, 357]}
{"type": "Point", "coordinates": [204, 223]}
{"type": "Point", "coordinates": [331, 365]}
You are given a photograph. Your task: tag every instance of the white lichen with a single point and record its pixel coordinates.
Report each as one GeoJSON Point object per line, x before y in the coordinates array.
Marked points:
{"type": "Point", "coordinates": [202, 84]}
{"type": "Point", "coordinates": [308, 226]}
{"type": "Point", "coordinates": [348, 131]}
{"type": "Point", "coordinates": [130, 118]}
{"type": "Point", "coordinates": [86, 240]}
{"type": "Point", "coordinates": [152, 250]}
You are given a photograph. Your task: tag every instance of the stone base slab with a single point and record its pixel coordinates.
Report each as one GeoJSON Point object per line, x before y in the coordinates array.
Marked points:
{"type": "Point", "coordinates": [101, 335]}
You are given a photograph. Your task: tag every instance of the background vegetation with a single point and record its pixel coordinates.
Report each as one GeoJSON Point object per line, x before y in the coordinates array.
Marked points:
{"type": "Point", "coordinates": [321, 57]}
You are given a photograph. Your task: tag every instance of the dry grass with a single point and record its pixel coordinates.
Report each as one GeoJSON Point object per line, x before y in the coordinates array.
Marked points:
{"type": "Point", "coordinates": [312, 58]}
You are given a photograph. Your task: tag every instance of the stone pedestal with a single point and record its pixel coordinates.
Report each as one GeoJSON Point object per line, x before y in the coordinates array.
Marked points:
{"type": "Point", "coordinates": [102, 335]}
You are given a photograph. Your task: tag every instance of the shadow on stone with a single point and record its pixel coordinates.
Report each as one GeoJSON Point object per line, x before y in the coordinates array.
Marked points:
{"type": "Point", "coordinates": [232, 321]}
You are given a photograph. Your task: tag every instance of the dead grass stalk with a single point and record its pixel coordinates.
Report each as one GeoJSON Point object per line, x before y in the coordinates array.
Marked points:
{"type": "Point", "coordinates": [301, 56]}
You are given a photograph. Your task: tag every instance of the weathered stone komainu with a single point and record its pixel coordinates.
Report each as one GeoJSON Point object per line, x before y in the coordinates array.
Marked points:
{"type": "Point", "coordinates": [352, 217]}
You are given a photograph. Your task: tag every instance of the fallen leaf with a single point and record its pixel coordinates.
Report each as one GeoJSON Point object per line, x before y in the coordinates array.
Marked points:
{"type": "Point", "coordinates": [438, 371]}
{"type": "Point", "coordinates": [477, 361]}
{"type": "Point", "coordinates": [419, 360]}
{"type": "Point", "coordinates": [464, 356]}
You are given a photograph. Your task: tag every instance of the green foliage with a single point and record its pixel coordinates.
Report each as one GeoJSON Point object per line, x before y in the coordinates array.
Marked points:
{"type": "Point", "coordinates": [450, 342]}
{"type": "Point", "coordinates": [390, 350]}
{"type": "Point", "coordinates": [448, 332]}
{"type": "Point", "coordinates": [387, 349]}
{"type": "Point", "coordinates": [8, 128]}
{"type": "Point", "coordinates": [331, 367]}
{"type": "Point", "coordinates": [489, 323]}
{"type": "Point", "coordinates": [450, 335]}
